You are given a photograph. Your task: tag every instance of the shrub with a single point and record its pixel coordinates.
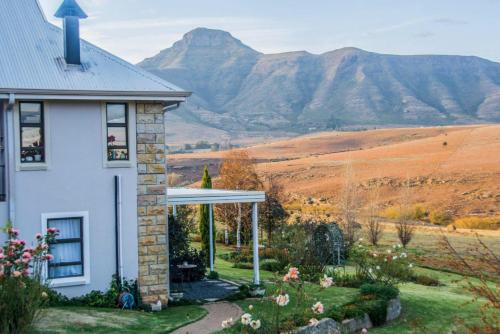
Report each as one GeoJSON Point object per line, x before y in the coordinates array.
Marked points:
{"type": "Point", "coordinates": [389, 268]}
{"type": "Point", "coordinates": [416, 212]}
{"type": "Point", "coordinates": [379, 291]}
{"type": "Point", "coordinates": [22, 294]}
{"type": "Point", "coordinates": [213, 275]}
{"type": "Point", "coordinates": [353, 311]}
{"type": "Point", "coordinates": [243, 265]}
{"type": "Point", "coordinates": [480, 223]}
{"type": "Point", "coordinates": [426, 280]}
{"type": "Point", "coordinates": [440, 218]}
{"type": "Point", "coordinates": [343, 279]}
{"type": "Point", "coordinates": [376, 309]}
{"type": "Point", "coordinates": [272, 265]}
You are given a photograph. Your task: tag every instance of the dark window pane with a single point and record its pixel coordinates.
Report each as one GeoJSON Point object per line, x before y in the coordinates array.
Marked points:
{"type": "Point", "coordinates": [116, 114]}
{"type": "Point", "coordinates": [69, 228]}
{"type": "Point", "coordinates": [117, 154]}
{"type": "Point", "coordinates": [117, 136]}
{"type": "Point", "coordinates": [31, 115]}
{"type": "Point", "coordinates": [65, 271]}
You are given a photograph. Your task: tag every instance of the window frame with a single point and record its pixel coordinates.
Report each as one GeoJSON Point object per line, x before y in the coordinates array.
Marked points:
{"type": "Point", "coordinates": [32, 165]}
{"type": "Point", "coordinates": [32, 125]}
{"type": "Point", "coordinates": [67, 241]}
{"type": "Point", "coordinates": [131, 140]}
{"type": "Point", "coordinates": [85, 233]}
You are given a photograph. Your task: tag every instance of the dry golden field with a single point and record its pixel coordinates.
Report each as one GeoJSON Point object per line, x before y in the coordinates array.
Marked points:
{"type": "Point", "coordinates": [449, 168]}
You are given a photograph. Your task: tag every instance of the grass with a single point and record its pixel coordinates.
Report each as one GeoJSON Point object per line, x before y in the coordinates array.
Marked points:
{"type": "Point", "coordinates": [425, 309]}
{"type": "Point", "coordinates": [93, 320]}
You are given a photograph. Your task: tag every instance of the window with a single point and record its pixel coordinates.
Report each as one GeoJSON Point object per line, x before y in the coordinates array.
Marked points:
{"type": "Point", "coordinates": [117, 131]}
{"type": "Point", "coordinates": [68, 248]}
{"type": "Point", "coordinates": [31, 132]}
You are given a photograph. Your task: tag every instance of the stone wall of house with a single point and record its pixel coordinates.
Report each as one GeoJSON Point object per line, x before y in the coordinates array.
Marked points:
{"type": "Point", "coordinates": [151, 190]}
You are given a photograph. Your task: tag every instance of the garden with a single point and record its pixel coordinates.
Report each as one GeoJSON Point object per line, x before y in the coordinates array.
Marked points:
{"type": "Point", "coordinates": [317, 276]}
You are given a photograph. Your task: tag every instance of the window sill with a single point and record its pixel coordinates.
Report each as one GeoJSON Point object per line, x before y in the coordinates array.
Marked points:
{"type": "Point", "coordinates": [70, 281]}
{"type": "Point", "coordinates": [32, 166]}
{"type": "Point", "coordinates": [118, 164]}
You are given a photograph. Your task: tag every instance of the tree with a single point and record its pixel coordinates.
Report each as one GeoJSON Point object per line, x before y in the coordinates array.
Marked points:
{"type": "Point", "coordinates": [237, 172]}
{"type": "Point", "coordinates": [204, 217]}
{"type": "Point", "coordinates": [349, 206]}
{"type": "Point", "coordinates": [404, 226]}
{"type": "Point", "coordinates": [374, 229]}
{"type": "Point", "coordinates": [272, 213]}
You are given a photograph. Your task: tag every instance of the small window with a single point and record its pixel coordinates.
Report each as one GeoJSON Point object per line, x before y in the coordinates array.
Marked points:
{"type": "Point", "coordinates": [31, 132]}
{"type": "Point", "coordinates": [117, 131]}
{"type": "Point", "coordinates": [67, 249]}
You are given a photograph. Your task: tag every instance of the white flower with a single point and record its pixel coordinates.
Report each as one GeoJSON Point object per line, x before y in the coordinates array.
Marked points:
{"type": "Point", "coordinates": [255, 324]}
{"type": "Point", "coordinates": [250, 307]}
{"type": "Point", "coordinates": [370, 270]}
{"type": "Point", "coordinates": [313, 322]}
{"type": "Point", "coordinates": [246, 318]}
{"type": "Point", "coordinates": [227, 323]}
{"type": "Point", "coordinates": [318, 308]}
{"type": "Point", "coordinates": [360, 239]}
{"type": "Point", "coordinates": [326, 282]}
{"type": "Point", "coordinates": [377, 267]}
{"type": "Point", "coordinates": [410, 265]}
{"type": "Point", "coordinates": [394, 257]}
{"type": "Point", "coordinates": [375, 255]}
{"type": "Point", "coordinates": [389, 251]}
{"type": "Point", "coordinates": [283, 300]}
{"type": "Point", "coordinates": [403, 255]}
{"type": "Point", "coordinates": [394, 246]}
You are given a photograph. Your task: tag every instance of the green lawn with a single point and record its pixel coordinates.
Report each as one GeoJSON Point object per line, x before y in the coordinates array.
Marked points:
{"type": "Point", "coordinates": [88, 320]}
{"type": "Point", "coordinates": [425, 309]}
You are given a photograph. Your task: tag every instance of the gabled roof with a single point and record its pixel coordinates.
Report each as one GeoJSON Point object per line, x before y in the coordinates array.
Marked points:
{"type": "Point", "coordinates": [32, 62]}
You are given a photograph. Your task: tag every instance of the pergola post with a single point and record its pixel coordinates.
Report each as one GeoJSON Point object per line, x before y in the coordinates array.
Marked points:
{"type": "Point", "coordinates": [211, 237]}
{"type": "Point", "coordinates": [255, 236]}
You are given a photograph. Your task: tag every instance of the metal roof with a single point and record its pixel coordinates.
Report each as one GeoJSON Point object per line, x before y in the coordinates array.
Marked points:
{"type": "Point", "coordinates": [32, 61]}
{"type": "Point", "coordinates": [183, 196]}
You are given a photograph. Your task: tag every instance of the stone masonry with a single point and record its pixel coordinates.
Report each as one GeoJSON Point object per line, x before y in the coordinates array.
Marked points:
{"type": "Point", "coordinates": [151, 192]}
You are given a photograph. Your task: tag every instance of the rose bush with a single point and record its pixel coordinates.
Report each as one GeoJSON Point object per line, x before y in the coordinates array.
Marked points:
{"type": "Point", "coordinates": [22, 290]}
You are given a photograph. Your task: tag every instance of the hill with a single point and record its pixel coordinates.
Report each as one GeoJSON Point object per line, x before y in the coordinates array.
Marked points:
{"type": "Point", "coordinates": [241, 92]}
{"type": "Point", "coordinates": [450, 168]}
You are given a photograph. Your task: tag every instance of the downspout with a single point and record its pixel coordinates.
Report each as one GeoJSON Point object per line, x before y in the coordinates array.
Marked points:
{"type": "Point", "coordinates": [10, 157]}
{"type": "Point", "coordinates": [166, 109]}
{"type": "Point", "coordinates": [118, 229]}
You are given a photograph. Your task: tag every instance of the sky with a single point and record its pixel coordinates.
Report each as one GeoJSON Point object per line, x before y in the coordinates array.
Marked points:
{"type": "Point", "coordinates": [137, 29]}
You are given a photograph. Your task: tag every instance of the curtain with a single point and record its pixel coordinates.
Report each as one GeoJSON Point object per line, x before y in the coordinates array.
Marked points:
{"type": "Point", "coordinates": [64, 250]}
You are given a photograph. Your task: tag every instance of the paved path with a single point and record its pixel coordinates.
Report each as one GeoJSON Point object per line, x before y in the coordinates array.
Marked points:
{"type": "Point", "coordinates": [212, 322]}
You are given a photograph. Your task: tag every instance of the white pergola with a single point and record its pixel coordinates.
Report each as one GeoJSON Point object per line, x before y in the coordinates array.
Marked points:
{"type": "Point", "coordinates": [188, 196]}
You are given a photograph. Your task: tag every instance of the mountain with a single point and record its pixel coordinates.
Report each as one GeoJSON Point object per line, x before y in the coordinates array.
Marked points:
{"type": "Point", "coordinates": [239, 90]}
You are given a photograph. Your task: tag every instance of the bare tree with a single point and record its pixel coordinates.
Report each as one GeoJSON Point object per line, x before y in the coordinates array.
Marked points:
{"type": "Point", "coordinates": [349, 206]}
{"type": "Point", "coordinates": [272, 212]}
{"type": "Point", "coordinates": [238, 172]}
{"type": "Point", "coordinates": [404, 225]}
{"type": "Point", "coordinates": [374, 228]}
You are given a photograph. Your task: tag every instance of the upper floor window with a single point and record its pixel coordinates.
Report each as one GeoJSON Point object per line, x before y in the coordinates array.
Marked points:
{"type": "Point", "coordinates": [117, 131]}
{"type": "Point", "coordinates": [31, 132]}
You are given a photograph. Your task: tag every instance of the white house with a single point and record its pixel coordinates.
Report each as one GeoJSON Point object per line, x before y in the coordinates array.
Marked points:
{"type": "Point", "coordinates": [83, 149]}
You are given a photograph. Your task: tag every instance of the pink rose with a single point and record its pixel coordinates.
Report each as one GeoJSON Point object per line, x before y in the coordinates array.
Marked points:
{"type": "Point", "coordinates": [286, 278]}
{"type": "Point", "coordinates": [52, 230]}
{"type": "Point", "coordinates": [293, 273]}
{"type": "Point", "coordinates": [26, 272]}
{"type": "Point", "coordinates": [49, 257]}
{"type": "Point", "coordinates": [38, 236]}
{"type": "Point", "coordinates": [364, 331]}
{"type": "Point", "coordinates": [26, 255]}
{"type": "Point", "coordinates": [2, 256]}
{"type": "Point", "coordinates": [16, 273]}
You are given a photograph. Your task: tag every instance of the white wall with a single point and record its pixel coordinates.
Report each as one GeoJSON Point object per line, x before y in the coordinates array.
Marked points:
{"type": "Point", "coordinates": [76, 180]}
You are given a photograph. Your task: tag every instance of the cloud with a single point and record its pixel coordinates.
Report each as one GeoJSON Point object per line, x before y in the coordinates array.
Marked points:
{"type": "Point", "coordinates": [449, 21]}
{"type": "Point", "coordinates": [424, 34]}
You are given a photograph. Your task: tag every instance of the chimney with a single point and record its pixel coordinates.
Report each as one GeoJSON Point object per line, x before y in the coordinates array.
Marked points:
{"type": "Point", "coordinates": [71, 13]}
